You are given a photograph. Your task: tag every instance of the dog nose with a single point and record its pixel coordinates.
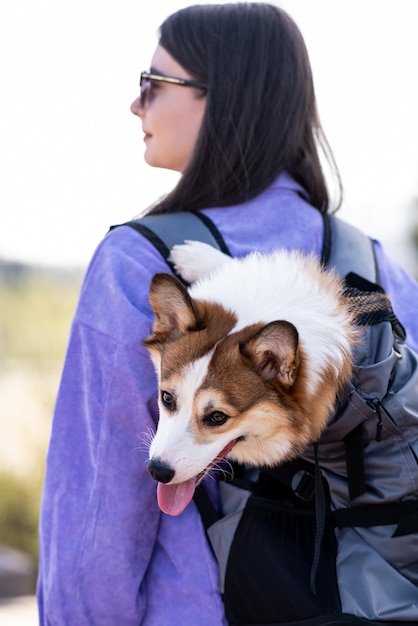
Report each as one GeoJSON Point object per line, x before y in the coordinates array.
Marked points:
{"type": "Point", "coordinates": [160, 470]}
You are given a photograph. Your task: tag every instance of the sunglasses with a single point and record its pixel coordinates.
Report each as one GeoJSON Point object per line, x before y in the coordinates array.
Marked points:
{"type": "Point", "coordinates": [148, 78]}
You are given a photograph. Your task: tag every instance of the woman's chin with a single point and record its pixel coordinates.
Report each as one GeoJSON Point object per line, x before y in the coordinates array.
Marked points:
{"type": "Point", "coordinates": [165, 164]}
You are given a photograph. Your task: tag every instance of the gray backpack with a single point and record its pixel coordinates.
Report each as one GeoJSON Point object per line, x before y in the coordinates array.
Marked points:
{"type": "Point", "coordinates": [331, 538]}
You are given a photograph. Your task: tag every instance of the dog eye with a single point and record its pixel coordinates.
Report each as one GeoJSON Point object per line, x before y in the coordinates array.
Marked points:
{"type": "Point", "coordinates": [168, 400]}
{"type": "Point", "coordinates": [217, 418]}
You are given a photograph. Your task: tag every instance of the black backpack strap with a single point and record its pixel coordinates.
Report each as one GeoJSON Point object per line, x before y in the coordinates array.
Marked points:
{"type": "Point", "coordinates": [404, 514]}
{"type": "Point", "coordinates": [353, 444]}
{"type": "Point", "coordinates": [166, 230]}
{"type": "Point", "coordinates": [205, 506]}
{"type": "Point", "coordinates": [347, 249]}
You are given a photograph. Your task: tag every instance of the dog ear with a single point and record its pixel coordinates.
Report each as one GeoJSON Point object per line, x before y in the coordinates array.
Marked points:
{"type": "Point", "coordinates": [274, 353]}
{"type": "Point", "coordinates": [174, 309]}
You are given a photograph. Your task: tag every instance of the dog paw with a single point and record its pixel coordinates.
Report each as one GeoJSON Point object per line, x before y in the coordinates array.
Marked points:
{"type": "Point", "coordinates": [195, 259]}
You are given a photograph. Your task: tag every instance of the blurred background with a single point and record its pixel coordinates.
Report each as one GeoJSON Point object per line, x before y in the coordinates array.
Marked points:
{"type": "Point", "coordinates": [71, 165]}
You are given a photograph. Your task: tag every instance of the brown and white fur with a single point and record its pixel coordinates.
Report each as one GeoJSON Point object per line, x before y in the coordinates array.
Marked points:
{"type": "Point", "coordinates": [249, 360]}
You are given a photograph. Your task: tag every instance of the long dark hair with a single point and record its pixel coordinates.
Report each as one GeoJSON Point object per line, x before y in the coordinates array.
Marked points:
{"type": "Point", "coordinates": [261, 117]}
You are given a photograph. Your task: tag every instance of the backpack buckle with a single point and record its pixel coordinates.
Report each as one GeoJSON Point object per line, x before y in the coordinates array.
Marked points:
{"type": "Point", "coordinates": [303, 485]}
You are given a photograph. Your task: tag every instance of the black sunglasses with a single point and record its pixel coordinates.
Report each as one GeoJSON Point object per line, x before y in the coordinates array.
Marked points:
{"type": "Point", "coordinates": [147, 78]}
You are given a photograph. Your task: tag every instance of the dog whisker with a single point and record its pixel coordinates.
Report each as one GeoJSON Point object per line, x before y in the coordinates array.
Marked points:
{"type": "Point", "coordinates": [224, 467]}
{"type": "Point", "coordinates": [228, 470]}
{"type": "Point", "coordinates": [145, 439]}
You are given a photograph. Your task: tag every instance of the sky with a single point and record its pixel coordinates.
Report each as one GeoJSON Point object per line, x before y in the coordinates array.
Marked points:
{"type": "Point", "coordinates": [71, 153]}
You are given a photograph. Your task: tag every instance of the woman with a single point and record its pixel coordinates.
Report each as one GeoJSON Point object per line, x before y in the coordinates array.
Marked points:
{"type": "Point", "coordinates": [240, 124]}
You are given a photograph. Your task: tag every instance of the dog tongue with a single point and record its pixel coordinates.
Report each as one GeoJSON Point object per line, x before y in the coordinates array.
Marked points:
{"type": "Point", "coordinates": [173, 499]}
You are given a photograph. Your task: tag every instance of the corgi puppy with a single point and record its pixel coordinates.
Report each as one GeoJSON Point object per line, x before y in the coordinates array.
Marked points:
{"type": "Point", "coordinates": [249, 360]}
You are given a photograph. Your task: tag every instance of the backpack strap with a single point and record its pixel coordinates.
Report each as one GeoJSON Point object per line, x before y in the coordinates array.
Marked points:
{"type": "Point", "coordinates": [206, 508]}
{"type": "Point", "coordinates": [345, 248]}
{"type": "Point", "coordinates": [166, 230]}
{"type": "Point", "coordinates": [348, 250]}
{"type": "Point", "coordinates": [356, 477]}
{"type": "Point", "coordinates": [403, 515]}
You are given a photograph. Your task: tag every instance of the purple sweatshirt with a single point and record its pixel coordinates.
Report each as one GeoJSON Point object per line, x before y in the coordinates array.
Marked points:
{"type": "Point", "coordinates": [108, 555]}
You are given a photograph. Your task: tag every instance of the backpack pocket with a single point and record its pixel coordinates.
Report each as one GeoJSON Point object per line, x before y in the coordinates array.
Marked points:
{"type": "Point", "coordinates": [268, 573]}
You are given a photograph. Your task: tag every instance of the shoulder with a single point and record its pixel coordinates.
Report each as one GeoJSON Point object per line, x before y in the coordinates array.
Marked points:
{"type": "Point", "coordinates": [114, 294]}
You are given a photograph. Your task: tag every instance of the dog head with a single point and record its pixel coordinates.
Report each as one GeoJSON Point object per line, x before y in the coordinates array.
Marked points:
{"type": "Point", "coordinates": [222, 392]}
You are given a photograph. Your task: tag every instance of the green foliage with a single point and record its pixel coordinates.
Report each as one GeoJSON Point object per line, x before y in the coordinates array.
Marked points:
{"type": "Point", "coordinates": [35, 316]}
{"type": "Point", "coordinates": [36, 309]}
{"type": "Point", "coordinates": [19, 512]}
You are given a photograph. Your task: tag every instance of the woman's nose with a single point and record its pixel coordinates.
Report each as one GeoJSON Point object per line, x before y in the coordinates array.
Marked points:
{"type": "Point", "coordinates": [137, 108]}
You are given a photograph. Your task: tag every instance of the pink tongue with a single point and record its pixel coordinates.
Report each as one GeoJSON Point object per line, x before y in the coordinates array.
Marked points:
{"type": "Point", "coordinates": [173, 499]}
